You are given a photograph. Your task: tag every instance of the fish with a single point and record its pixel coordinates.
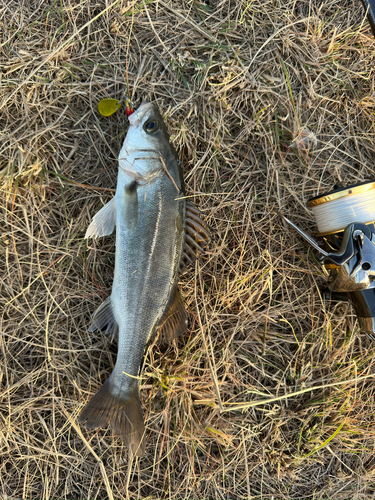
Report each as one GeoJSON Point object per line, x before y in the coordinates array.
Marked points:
{"type": "Point", "coordinates": [158, 234]}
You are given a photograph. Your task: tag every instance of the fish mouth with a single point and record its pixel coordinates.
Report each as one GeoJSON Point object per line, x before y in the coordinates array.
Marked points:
{"type": "Point", "coordinates": [136, 118]}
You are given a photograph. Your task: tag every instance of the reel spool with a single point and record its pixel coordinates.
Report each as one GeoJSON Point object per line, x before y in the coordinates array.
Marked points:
{"type": "Point", "coordinates": [345, 220]}
{"type": "Point", "coordinates": [334, 211]}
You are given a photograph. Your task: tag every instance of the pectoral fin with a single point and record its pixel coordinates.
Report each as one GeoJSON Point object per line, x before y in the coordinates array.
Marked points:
{"type": "Point", "coordinates": [129, 205]}
{"type": "Point", "coordinates": [103, 222]}
{"type": "Point", "coordinates": [174, 322]}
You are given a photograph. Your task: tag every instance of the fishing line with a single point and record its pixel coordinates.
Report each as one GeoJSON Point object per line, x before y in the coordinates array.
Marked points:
{"type": "Point", "coordinates": [336, 210]}
{"type": "Point", "coordinates": [338, 133]}
{"type": "Point", "coordinates": [370, 11]}
{"type": "Point", "coordinates": [127, 62]}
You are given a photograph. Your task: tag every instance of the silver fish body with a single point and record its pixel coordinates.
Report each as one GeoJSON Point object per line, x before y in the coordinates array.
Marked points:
{"type": "Point", "coordinates": [149, 212]}
{"type": "Point", "coordinates": [148, 252]}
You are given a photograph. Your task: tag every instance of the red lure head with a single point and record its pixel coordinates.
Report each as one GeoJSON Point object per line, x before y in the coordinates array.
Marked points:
{"type": "Point", "coordinates": [129, 108]}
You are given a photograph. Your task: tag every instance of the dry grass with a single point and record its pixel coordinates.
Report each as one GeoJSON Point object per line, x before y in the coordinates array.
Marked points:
{"type": "Point", "coordinates": [270, 395]}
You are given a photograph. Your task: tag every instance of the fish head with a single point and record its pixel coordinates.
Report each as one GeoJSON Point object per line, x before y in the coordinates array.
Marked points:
{"type": "Point", "coordinates": [147, 130]}
{"type": "Point", "coordinates": [146, 141]}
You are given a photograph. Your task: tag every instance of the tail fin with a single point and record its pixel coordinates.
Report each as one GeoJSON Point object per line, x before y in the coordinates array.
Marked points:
{"type": "Point", "coordinates": [122, 411]}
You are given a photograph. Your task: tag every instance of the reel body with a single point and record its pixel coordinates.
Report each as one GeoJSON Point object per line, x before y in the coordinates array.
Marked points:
{"type": "Point", "coordinates": [352, 271]}
{"type": "Point", "coordinates": [348, 253]}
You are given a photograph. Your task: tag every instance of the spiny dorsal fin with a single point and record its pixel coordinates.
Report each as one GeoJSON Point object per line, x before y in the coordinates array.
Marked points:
{"type": "Point", "coordinates": [197, 237]}
{"type": "Point", "coordinates": [104, 317]}
{"type": "Point", "coordinates": [174, 321]}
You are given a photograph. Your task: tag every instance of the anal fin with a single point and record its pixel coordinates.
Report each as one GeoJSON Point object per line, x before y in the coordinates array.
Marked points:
{"type": "Point", "coordinates": [104, 317]}
{"type": "Point", "coordinates": [174, 321]}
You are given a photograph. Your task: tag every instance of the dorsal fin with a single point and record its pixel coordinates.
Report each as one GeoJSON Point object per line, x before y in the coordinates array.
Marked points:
{"type": "Point", "coordinates": [174, 321]}
{"type": "Point", "coordinates": [197, 237]}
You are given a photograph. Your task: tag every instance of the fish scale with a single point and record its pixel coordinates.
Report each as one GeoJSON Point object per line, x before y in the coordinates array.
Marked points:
{"type": "Point", "coordinates": [144, 278]}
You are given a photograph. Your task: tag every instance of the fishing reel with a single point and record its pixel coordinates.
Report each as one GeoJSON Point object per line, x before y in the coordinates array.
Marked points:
{"type": "Point", "coordinates": [346, 228]}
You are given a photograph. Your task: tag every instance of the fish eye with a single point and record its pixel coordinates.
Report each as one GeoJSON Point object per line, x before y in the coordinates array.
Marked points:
{"type": "Point", "coordinates": [151, 126]}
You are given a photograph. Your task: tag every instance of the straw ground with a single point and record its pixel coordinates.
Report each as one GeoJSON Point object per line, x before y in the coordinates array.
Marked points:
{"type": "Point", "coordinates": [271, 393]}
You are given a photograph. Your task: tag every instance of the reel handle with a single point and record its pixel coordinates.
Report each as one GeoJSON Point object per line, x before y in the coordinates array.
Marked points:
{"type": "Point", "coordinates": [348, 248]}
{"type": "Point", "coordinates": [369, 6]}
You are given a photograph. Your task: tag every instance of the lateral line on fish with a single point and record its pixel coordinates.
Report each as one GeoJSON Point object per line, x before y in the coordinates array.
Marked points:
{"type": "Point", "coordinates": [156, 233]}
{"type": "Point", "coordinates": [186, 197]}
{"type": "Point", "coordinates": [132, 376]}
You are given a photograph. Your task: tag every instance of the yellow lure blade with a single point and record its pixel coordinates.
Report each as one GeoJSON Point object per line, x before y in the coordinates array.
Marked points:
{"type": "Point", "coordinates": [107, 107]}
